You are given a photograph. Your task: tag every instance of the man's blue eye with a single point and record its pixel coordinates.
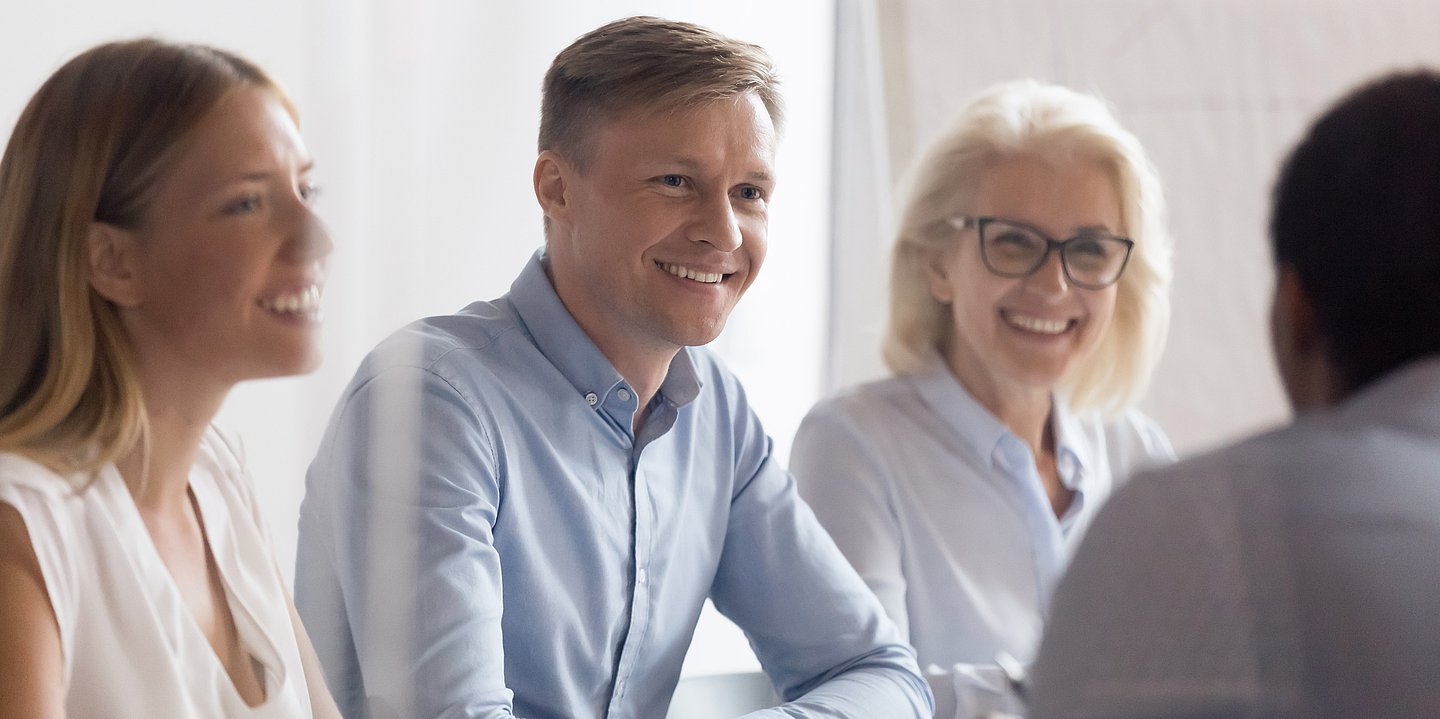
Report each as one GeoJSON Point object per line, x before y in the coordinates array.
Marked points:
{"type": "Point", "coordinates": [751, 193]}
{"type": "Point", "coordinates": [672, 180]}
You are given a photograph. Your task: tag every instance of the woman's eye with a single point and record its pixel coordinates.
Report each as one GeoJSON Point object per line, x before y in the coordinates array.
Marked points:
{"type": "Point", "coordinates": [244, 205]}
{"type": "Point", "coordinates": [309, 191]}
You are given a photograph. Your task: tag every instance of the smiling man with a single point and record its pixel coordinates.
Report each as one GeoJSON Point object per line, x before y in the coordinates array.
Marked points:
{"type": "Point", "coordinates": [584, 476]}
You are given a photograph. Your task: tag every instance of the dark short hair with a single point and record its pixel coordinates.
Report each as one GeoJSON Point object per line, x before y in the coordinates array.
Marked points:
{"type": "Point", "coordinates": [642, 62]}
{"type": "Point", "coordinates": [1357, 215]}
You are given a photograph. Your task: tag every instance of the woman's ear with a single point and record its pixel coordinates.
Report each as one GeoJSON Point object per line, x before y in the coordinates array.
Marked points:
{"type": "Point", "coordinates": [936, 263]}
{"type": "Point", "coordinates": [111, 254]}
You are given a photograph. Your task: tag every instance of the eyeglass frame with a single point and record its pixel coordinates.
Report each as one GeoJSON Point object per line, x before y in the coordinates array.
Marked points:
{"type": "Point", "coordinates": [978, 223]}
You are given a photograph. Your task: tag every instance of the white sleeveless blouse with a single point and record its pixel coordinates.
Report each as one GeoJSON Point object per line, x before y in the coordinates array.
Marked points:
{"type": "Point", "coordinates": [131, 647]}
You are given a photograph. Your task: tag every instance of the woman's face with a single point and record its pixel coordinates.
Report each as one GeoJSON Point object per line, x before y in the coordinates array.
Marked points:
{"type": "Point", "coordinates": [229, 260]}
{"type": "Point", "coordinates": [1023, 334]}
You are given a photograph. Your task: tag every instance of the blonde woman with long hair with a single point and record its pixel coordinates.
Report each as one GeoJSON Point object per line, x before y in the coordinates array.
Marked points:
{"type": "Point", "coordinates": [1029, 301]}
{"type": "Point", "coordinates": [157, 246]}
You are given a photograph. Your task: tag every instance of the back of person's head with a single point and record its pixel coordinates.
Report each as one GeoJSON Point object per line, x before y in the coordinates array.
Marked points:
{"type": "Point", "coordinates": [1060, 126]}
{"type": "Point", "coordinates": [1357, 218]}
{"type": "Point", "coordinates": [88, 148]}
{"type": "Point", "coordinates": [641, 63]}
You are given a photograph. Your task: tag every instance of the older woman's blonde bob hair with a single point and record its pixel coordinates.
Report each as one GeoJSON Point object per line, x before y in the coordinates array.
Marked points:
{"type": "Point", "coordinates": [88, 148]}
{"type": "Point", "coordinates": [1060, 126]}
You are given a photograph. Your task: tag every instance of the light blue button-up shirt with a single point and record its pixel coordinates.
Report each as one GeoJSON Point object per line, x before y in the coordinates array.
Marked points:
{"type": "Point", "coordinates": [942, 510]}
{"type": "Point", "coordinates": [550, 563]}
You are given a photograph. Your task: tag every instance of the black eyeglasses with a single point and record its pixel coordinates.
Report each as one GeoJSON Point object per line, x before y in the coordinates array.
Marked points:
{"type": "Point", "coordinates": [1009, 248]}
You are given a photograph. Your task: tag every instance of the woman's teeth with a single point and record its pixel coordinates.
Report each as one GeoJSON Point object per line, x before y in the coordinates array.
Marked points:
{"type": "Point", "coordinates": [304, 302]}
{"type": "Point", "coordinates": [1037, 325]}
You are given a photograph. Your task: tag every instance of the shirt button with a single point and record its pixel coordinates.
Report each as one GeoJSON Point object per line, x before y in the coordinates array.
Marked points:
{"type": "Point", "coordinates": [641, 576]}
{"type": "Point", "coordinates": [591, 398]}
{"type": "Point", "coordinates": [623, 394]}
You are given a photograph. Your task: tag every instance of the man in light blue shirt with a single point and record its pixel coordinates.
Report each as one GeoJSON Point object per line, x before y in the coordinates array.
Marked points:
{"type": "Point", "coordinates": [581, 477]}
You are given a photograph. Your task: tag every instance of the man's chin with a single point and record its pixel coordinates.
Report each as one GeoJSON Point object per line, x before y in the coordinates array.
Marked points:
{"type": "Point", "coordinates": [697, 334]}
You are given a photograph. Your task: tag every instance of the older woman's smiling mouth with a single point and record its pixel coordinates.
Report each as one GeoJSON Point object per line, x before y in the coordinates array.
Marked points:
{"type": "Point", "coordinates": [1037, 324]}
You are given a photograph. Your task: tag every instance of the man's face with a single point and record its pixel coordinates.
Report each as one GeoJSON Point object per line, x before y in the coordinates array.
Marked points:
{"type": "Point", "coordinates": [656, 240]}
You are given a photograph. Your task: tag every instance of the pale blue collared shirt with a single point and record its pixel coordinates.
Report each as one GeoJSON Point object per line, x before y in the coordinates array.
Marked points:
{"type": "Point", "coordinates": [560, 561]}
{"type": "Point", "coordinates": [941, 509]}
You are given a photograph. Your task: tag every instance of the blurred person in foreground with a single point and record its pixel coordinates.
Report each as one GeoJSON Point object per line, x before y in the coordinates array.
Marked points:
{"type": "Point", "coordinates": [1028, 304]}
{"type": "Point", "coordinates": [1295, 574]}
{"type": "Point", "coordinates": [157, 246]}
{"type": "Point", "coordinates": [575, 475]}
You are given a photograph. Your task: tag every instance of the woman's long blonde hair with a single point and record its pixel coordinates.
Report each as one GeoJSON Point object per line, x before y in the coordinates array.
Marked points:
{"type": "Point", "coordinates": [88, 148]}
{"type": "Point", "coordinates": [1029, 118]}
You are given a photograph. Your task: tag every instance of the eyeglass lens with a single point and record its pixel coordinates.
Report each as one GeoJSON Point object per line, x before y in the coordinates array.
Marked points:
{"type": "Point", "coordinates": [1016, 250]}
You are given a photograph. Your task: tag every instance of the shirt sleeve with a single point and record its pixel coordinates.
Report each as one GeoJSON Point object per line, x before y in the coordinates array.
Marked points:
{"type": "Point", "coordinates": [844, 477]}
{"type": "Point", "coordinates": [410, 476]}
{"type": "Point", "coordinates": [52, 533]}
{"type": "Point", "coordinates": [818, 631]}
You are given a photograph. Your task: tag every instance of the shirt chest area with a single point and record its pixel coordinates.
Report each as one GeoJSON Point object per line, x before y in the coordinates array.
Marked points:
{"type": "Point", "coordinates": [584, 502]}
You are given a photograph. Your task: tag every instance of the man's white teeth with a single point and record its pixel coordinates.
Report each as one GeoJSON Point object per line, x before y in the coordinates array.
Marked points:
{"type": "Point", "coordinates": [1037, 325]}
{"type": "Point", "coordinates": [689, 274]}
{"type": "Point", "coordinates": [304, 302]}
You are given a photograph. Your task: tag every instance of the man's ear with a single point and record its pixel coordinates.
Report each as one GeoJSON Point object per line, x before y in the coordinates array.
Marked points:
{"type": "Point", "coordinates": [1310, 380]}
{"type": "Point", "coordinates": [552, 184]}
{"type": "Point", "coordinates": [112, 263]}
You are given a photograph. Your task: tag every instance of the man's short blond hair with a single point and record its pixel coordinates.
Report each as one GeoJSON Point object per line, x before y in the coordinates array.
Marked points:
{"type": "Point", "coordinates": [643, 63]}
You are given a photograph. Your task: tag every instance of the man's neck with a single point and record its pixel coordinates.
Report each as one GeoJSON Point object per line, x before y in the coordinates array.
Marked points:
{"type": "Point", "coordinates": [644, 372]}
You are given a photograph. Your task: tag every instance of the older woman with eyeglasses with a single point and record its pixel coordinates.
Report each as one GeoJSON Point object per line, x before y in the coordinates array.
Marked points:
{"type": "Point", "coordinates": [1029, 303]}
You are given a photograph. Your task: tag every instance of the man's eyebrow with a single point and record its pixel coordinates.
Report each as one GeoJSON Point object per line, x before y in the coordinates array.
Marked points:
{"type": "Point", "coordinates": [693, 165]}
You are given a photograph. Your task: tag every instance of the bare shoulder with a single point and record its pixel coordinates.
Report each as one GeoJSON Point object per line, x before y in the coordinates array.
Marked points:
{"type": "Point", "coordinates": [31, 668]}
{"type": "Point", "coordinates": [17, 556]}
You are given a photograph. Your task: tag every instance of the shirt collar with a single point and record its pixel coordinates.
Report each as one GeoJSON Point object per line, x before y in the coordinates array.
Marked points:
{"type": "Point", "coordinates": [1072, 452]}
{"type": "Point", "coordinates": [560, 338]}
{"type": "Point", "coordinates": [983, 433]}
{"type": "Point", "coordinates": [1408, 395]}
{"type": "Point", "coordinates": [979, 430]}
